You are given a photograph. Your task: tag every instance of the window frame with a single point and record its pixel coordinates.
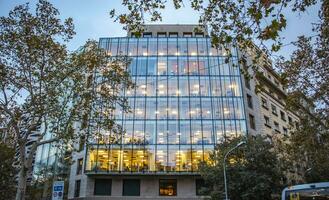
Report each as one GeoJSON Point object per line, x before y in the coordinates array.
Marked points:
{"type": "Point", "coordinates": [274, 110]}
{"type": "Point", "coordinates": [125, 181]}
{"type": "Point", "coordinates": [77, 187]}
{"type": "Point", "coordinates": [79, 167]}
{"type": "Point", "coordinates": [103, 179]}
{"type": "Point", "coordinates": [252, 122]}
{"type": "Point", "coordinates": [267, 121]}
{"type": "Point", "coordinates": [174, 188]}
{"type": "Point", "coordinates": [249, 101]}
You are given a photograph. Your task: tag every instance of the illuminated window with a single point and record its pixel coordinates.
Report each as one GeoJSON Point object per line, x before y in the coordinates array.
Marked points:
{"type": "Point", "coordinates": [167, 187]}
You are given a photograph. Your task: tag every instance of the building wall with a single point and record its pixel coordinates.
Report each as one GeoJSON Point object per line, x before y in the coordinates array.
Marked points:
{"type": "Point", "coordinates": [173, 28]}
{"type": "Point", "coordinates": [187, 100]}
{"type": "Point", "coordinates": [267, 86]}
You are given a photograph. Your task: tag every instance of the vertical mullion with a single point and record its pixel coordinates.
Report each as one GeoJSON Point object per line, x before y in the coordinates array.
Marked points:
{"type": "Point", "coordinates": [145, 98]}
{"type": "Point", "coordinates": [200, 96]}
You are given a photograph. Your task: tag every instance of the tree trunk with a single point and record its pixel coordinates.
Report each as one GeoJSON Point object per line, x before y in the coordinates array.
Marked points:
{"type": "Point", "coordinates": [21, 185]}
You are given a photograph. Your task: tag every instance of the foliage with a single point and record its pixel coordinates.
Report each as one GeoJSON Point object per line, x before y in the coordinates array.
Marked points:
{"type": "Point", "coordinates": [46, 90]}
{"type": "Point", "coordinates": [254, 171]}
{"type": "Point", "coordinates": [228, 20]}
{"type": "Point", "coordinates": [7, 172]}
{"type": "Point", "coordinates": [306, 75]}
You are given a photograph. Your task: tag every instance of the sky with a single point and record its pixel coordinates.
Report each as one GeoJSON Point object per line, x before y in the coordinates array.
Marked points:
{"type": "Point", "coordinates": [92, 20]}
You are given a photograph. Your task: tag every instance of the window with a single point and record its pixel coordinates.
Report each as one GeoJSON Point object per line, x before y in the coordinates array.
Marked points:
{"type": "Point", "coordinates": [276, 126]}
{"type": "Point", "coordinates": [103, 187]}
{"type": "Point", "coordinates": [267, 121]}
{"type": "Point", "coordinates": [131, 187]}
{"type": "Point", "coordinates": [264, 103]}
{"type": "Point", "coordinates": [77, 188]}
{"type": "Point", "coordinates": [249, 100]}
{"type": "Point", "coordinates": [81, 143]}
{"type": "Point", "coordinates": [283, 115]}
{"type": "Point", "coordinates": [79, 166]}
{"type": "Point", "coordinates": [162, 34]}
{"type": "Point", "coordinates": [173, 34]}
{"type": "Point", "coordinates": [167, 187]}
{"type": "Point", "coordinates": [290, 120]}
{"type": "Point", "coordinates": [285, 130]}
{"type": "Point", "coordinates": [274, 110]}
{"type": "Point", "coordinates": [201, 187]}
{"type": "Point", "coordinates": [147, 34]}
{"type": "Point", "coordinates": [247, 82]}
{"type": "Point", "coordinates": [269, 77]}
{"type": "Point", "coordinates": [252, 122]}
{"type": "Point", "coordinates": [199, 35]}
{"type": "Point", "coordinates": [187, 34]}
{"type": "Point", "coordinates": [277, 82]}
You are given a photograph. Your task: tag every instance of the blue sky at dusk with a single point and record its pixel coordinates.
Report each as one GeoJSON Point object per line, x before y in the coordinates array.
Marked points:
{"type": "Point", "coordinates": [91, 19]}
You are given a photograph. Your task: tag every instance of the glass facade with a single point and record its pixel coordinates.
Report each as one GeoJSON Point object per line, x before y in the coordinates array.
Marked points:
{"type": "Point", "coordinates": [187, 99]}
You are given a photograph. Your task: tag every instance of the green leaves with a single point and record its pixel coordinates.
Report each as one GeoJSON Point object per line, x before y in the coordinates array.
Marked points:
{"type": "Point", "coordinates": [254, 174]}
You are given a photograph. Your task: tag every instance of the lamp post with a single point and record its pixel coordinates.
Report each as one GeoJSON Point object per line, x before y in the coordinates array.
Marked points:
{"type": "Point", "coordinates": [224, 165]}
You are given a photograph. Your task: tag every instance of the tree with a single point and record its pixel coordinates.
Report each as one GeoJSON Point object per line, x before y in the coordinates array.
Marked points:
{"type": "Point", "coordinates": [45, 174]}
{"type": "Point", "coordinates": [7, 172]}
{"type": "Point", "coordinates": [306, 75]}
{"type": "Point", "coordinates": [45, 90]}
{"type": "Point", "coordinates": [228, 20]}
{"type": "Point", "coordinates": [254, 171]}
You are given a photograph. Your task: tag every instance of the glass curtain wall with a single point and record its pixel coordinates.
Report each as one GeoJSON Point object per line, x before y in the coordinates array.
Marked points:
{"type": "Point", "coordinates": [187, 99]}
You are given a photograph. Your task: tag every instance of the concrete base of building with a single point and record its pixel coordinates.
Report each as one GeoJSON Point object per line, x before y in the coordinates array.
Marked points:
{"type": "Point", "coordinates": [149, 188]}
{"type": "Point", "coordinates": [138, 198]}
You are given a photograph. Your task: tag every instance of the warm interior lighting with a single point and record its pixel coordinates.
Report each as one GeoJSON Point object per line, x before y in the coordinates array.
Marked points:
{"type": "Point", "coordinates": [161, 54]}
{"type": "Point", "coordinates": [193, 53]}
{"type": "Point", "coordinates": [226, 111]}
{"type": "Point", "coordinates": [177, 53]}
{"type": "Point", "coordinates": [161, 86]}
{"type": "Point", "coordinates": [196, 86]}
{"type": "Point", "coordinates": [156, 112]}
{"type": "Point", "coordinates": [144, 53]}
{"type": "Point", "coordinates": [232, 86]}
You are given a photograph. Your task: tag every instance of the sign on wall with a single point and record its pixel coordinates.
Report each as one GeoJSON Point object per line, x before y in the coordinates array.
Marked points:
{"type": "Point", "coordinates": [58, 190]}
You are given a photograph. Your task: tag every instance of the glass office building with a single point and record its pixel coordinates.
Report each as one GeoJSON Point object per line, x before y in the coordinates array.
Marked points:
{"type": "Point", "coordinates": [187, 99]}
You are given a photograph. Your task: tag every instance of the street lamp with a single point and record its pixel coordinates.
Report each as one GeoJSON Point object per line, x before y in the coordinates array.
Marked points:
{"type": "Point", "coordinates": [224, 165]}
